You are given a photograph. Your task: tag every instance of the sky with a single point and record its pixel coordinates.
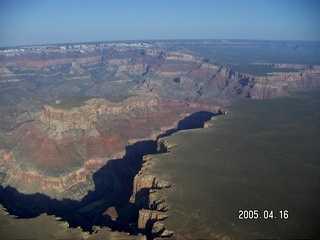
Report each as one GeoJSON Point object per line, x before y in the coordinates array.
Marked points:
{"type": "Point", "coordinates": [31, 22]}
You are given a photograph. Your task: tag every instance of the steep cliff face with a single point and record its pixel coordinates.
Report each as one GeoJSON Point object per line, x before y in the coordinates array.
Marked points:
{"type": "Point", "coordinates": [279, 84]}
{"type": "Point", "coordinates": [107, 71]}
{"type": "Point", "coordinates": [66, 144]}
{"type": "Point", "coordinates": [59, 120]}
{"type": "Point", "coordinates": [37, 62]}
{"type": "Point", "coordinates": [150, 196]}
{"type": "Point", "coordinates": [69, 111]}
{"type": "Point", "coordinates": [72, 131]}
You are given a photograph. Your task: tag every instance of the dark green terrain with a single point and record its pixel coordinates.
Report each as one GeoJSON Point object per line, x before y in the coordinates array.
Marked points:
{"type": "Point", "coordinates": [76, 121]}
{"type": "Point", "coordinates": [263, 155]}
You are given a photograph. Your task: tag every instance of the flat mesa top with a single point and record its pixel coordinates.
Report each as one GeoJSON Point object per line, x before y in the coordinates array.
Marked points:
{"type": "Point", "coordinates": [253, 158]}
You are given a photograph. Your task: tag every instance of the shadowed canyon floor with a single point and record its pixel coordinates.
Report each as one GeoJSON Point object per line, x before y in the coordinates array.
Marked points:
{"type": "Point", "coordinates": [77, 119]}
{"type": "Point", "coordinates": [113, 184]}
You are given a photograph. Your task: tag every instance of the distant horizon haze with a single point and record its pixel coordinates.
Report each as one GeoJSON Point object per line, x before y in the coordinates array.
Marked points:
{"type": "Point", "coordinates": [129, 41]}
{"type": "Point", "coordinates": [42, 22]}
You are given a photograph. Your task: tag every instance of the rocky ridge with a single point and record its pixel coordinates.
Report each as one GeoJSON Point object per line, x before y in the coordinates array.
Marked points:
{"type": "Point", "coordinates": [108, 70]}
{"type": "Point", "coordinates": [74, 138]}
{"type": "Point", "coordinates": [59, 120]}
{"type": "Point", "coordinates": [74, 143]}
{"type": "Point", "coordinates": [149, 194]}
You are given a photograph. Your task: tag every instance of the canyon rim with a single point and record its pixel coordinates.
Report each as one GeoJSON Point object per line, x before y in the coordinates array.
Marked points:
{"type": "Point", "coordinates": [74, 117]}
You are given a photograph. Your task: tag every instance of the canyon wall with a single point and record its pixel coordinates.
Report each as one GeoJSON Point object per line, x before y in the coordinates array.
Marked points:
{"type": "Point", "coordinates": [149, 194]}
{"type": "Point", "coordinates": [53, 147]}
{"type": "Point", "coordinates": [70, 111]}
{"type": "Point", "coordinates": [62, 147]}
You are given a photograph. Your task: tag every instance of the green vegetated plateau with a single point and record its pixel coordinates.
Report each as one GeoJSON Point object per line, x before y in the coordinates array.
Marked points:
{"type": "Point", "coordinates": [263, 155]}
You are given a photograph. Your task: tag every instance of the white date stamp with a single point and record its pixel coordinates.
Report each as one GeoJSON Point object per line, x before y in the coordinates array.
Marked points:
{"type": "Point", "coordinates": [265, 214]}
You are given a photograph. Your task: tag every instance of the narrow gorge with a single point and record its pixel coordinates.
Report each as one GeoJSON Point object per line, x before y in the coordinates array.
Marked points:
{"type": "Point", "coordinates": [80, 121]}
{"type": "Point", "coordinates": [118, 197]}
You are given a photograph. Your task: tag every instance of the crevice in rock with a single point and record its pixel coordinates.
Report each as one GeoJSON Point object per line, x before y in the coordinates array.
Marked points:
{"type": "Point", "coordinates": [109, 204]}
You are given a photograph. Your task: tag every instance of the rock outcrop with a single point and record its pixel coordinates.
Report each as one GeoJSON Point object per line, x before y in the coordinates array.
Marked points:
{"type": "Point", "coordinates": [73, 140]}
{"type": "Point", "coordinates": [59, 120]}
{"type": "Point", "coordinates": [68, 111]}
{"type": "Point", "coordinates": [35, 76]}
{"type": "Point", "coordinates": [279, 84]}
{"type": "Point", "coordinates": [149, 196]}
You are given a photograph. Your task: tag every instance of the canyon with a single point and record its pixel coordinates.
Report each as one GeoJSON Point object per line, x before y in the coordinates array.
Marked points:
{"type": "Point", "coordinates": [208, 176]}
{"type": "Point", "coordinates": [76, 117]}
{"type": "Point", "coordinates": [74, 143]}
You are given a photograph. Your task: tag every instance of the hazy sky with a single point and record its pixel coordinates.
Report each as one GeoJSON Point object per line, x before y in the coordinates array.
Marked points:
{"type": "Point", "coordinates": [25, 22]}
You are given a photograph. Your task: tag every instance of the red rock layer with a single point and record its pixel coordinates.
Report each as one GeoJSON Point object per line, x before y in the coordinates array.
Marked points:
{"type": "Point", "coordinates": [56, 151]}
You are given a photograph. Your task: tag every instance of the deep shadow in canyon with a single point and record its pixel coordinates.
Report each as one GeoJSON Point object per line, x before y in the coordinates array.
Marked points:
{"type": "Point", "coordinates": [113, 185]}
{"type": "Point", "coordinates": [195, 120]}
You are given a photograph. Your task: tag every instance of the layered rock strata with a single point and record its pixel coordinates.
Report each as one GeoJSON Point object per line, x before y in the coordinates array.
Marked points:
{"type": "Point", "coordinates": [64, 146]}
{"type": "Point", "coordinates": [53, 142]}
{"type": "Point", "coordinates": [30, 80]}
{"type": "Point", "coordinates": [150, 196]}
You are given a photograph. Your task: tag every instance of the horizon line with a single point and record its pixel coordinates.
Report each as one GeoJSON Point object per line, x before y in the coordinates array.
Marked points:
{"type": "Point", "coordinates": [154, 40]}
